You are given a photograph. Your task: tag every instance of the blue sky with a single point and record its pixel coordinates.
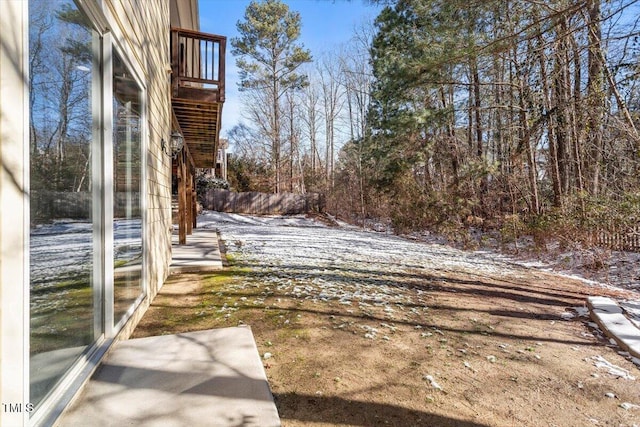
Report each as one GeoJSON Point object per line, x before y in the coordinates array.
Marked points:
{"type": "Point", "coordinates": [325, 25]}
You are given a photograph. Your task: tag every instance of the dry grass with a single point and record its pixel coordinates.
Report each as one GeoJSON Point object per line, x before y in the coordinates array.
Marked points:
{"type": "Point", "coordinates": [502, 352]}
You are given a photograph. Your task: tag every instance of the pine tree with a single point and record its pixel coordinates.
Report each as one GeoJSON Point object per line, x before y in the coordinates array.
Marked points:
{"type": "Point", "coordinates": [269, 55]}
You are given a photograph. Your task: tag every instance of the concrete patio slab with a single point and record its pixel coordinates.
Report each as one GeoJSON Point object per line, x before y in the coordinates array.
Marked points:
{"type": "Point", "coordinates": [610, 317]}
{"type": "Point", "coordinates": [206, 378]}
{"type": "Point", "coordinates": [201, 253]}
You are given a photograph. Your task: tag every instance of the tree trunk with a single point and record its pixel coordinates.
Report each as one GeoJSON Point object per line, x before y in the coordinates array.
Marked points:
{"type": "Point", "coordinates": [595, 94]}
{"type": "Point", "coordinates": [553, 163]}
{"type": "Point", "coordinates": [276, 135]}
{"type": "Point", "coordinates": [577, 115]}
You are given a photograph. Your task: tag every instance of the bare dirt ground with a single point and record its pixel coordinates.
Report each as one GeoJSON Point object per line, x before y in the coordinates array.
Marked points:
{"type": "Point", "coordinates": [371, 330]}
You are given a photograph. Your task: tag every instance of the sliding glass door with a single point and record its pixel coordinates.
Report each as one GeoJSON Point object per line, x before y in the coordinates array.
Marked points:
{"type": "Point", "coordinates": [64, 190]}
{"type": "Point", "coordinates": [87, 121]}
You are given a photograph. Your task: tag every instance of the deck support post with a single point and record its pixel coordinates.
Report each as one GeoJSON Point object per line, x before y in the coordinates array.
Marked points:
{"type": "Point", "coordinates": [182, 198]}
{"type": "Point", "coordinates": [189, 201]}
{"type": "Point", "coordinates": [194, 205]}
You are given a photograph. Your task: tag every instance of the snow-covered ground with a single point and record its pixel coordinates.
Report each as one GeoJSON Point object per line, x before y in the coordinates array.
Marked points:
{"type": "Point", "coordinates": [372, 259]}
{"type": "Point", "coordinates": [64, 249]}
{"type": "Point", "coordinates": [603, 266]}
{"type": "Point", "coordinates": [275, 240]}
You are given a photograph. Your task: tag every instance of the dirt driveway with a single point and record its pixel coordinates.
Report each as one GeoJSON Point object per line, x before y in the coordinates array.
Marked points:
{"type": "Point", "coordinates": [367, 329]}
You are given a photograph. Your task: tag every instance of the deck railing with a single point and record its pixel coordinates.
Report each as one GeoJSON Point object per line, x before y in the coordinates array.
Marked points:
{"type": "Point", "coordinates": [198, 60]}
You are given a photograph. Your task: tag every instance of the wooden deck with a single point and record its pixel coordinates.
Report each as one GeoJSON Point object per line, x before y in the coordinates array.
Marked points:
{"type": "Point", "coordinates": [197, 91]}
{"type": "Point", "coordinates": [197, 96]}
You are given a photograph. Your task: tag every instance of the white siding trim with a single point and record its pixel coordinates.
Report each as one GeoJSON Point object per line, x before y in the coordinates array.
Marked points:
{"type": "Point", "coordinates": [14, 222]}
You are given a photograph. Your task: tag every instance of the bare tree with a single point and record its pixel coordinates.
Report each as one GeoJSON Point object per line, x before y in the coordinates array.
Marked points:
{"type": "Point", "coordinates": [357, 79]}
{"type": "Point", "coordinates": [311, 118]}
{"type": "Point", "coordinates": [332, 100]}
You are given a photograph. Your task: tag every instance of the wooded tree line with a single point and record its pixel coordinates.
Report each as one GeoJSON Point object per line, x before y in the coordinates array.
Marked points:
{"type": "Point", "coordinates": [487, 108]}
{"type": "Point", "coordinates": [458, 112]}
{"type": "Point", "coordinates": [298, 110]}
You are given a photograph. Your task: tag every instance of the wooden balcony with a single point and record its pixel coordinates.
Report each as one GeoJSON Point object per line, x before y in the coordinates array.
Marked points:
{"type": "Point", "coordinates": [197, 91]}
{"type": "Point", "coordinates": [197, 95]}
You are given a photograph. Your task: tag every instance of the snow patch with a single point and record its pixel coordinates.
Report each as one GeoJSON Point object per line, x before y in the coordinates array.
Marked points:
{"type": "Point", "coordinates": [432, 382]}
{"type": "Point", "coordinates": [617, 371]}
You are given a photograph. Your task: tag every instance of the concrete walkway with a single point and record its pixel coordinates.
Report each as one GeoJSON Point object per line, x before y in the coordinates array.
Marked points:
{"type": "Point", "coordinates": [206, 378]}
{"type": "Point", "coordinates": [611, 318]}
{"type": "Point", "coordinates": [200, 254]}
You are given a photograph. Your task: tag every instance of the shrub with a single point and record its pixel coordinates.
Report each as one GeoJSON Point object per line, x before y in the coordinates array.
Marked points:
{"type": "Point", "coordinates": [204, 183]}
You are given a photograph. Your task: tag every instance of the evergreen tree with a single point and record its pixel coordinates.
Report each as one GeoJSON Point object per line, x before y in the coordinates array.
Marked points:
{"type": "Point", "coordinates": [482, 109]}
{"type": "Point", "coordinates": [268, 56]}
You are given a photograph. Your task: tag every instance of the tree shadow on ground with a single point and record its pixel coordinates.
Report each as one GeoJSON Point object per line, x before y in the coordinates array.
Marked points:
{"type": "Point", "coordinates": [541, 307]}
{"type": "Point", "coordinates": [426, 281]}
{"type": "Point", "coordinates": [339, 411]}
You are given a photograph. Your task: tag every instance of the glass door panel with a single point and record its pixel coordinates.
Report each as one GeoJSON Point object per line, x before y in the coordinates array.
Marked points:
{"type": "Point", "coordinates": [64, 234]}
{"type": "Point", "coordinates": [127, 184]}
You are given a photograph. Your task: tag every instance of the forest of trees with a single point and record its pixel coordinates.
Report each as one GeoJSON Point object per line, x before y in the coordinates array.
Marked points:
{"type": "Point", "coordinates": [449, 113]}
